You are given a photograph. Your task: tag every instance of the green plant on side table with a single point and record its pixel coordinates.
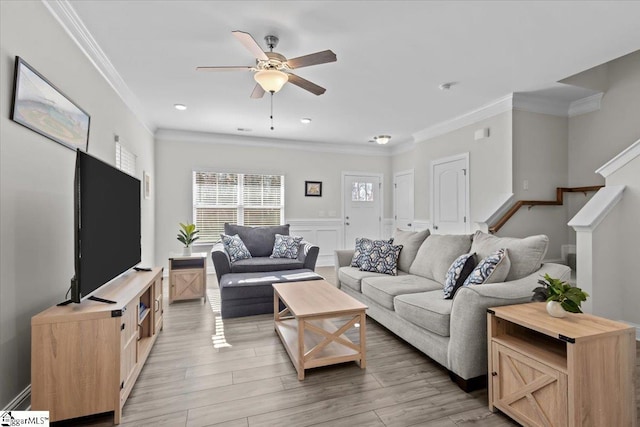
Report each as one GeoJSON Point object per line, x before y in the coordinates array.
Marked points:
{"type": "Point", "coordinates": [560, 296]}
{"type": "Point", "coordinates": [187, 235]}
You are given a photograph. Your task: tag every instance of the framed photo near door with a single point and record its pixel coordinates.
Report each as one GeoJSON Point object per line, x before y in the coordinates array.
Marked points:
{"type": "Point", "coordinates": [313, 188]}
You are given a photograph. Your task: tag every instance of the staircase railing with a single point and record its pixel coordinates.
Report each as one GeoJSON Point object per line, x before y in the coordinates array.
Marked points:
{"type": "Point", "coordinates": [531, 203]}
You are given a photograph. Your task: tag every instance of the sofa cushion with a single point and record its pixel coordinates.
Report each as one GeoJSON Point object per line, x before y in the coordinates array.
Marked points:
{"type": "Point", "coordinates": [525, 254]}
{"type": "Point", "coordinates": [427, 310]}
{"type": "Point", "coordinates": [286, 247]}
{"type": "Point", "coordinates": [235, 247]}
{"type": "Point", "coordinates": [382, 258]}
{"type": "Point", "coordinates": [259, 240]}
{"type": "Point", "coordinates": [352, 277]}
{"type": "Point", "coordinates": [458, 273]}
{"type": "Point", "coordinates": [258, 285]}
{"type": "Point", "coordinates": [362, 249]}
{"type": "Point", "coordinates": [258, 264]}
{"type": "Point", "coordinates": [384, 289]}
{"type": "Point", "coordinates": [437, 253]}
{"type": "Point", "coordinates": [411, 242]}
{"type": "Point", "coordinates": [492, 269]}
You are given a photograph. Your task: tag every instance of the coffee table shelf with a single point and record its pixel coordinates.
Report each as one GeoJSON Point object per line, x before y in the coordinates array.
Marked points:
{"type": "Point", "coordinates": [313, 323]}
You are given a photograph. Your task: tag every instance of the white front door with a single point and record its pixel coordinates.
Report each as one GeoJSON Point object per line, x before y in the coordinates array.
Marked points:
{"type": "Point", "coordinates": [403, 200]}
{"type": "Point", "coordinates": [450, 195]}
{"type": "Point", "coordinates": [362, 207]}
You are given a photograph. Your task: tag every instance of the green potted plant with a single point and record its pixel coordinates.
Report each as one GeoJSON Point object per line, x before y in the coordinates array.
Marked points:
{"type": "Point", "coordinates": [187, 235]}
{"type": "Point", "coordinates": [561, 297]}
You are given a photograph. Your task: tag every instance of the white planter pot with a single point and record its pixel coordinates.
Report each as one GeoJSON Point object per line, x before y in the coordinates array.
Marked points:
{"type": "Point", "coordinates": [186, 251]}
{"type": "Point", "coordinates": [555, 309]}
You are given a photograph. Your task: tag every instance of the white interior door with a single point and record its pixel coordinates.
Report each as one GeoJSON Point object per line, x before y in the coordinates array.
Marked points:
{"type": "Point", "coordinates": [362, 207]}
{"type": "Point", "coordinates": [403, 202]}
{"type": "Point", "coordinates": [450, 195]}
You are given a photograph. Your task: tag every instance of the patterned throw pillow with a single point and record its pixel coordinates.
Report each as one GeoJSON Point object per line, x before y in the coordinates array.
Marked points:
{"type": "Point", "coordinates": [383, 258]}
{"type": "Point", "coordinates": [492, 269]}
{"type": "Point", "coordinates": [458, 273]}
{"type": "Point", "coordinates": [235, 247]}
{"type": "Point", "coordinates": [363, 247]}
{"type": "Point", "coordinates": [286, 247]}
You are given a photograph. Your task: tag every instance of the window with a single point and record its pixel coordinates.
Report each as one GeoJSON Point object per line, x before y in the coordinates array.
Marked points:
{"type": "Point", "coordinates": [236, 198]}
{"type": "Point", "coordinates": [125, 160]}
{"type": "Point", "coordinates": [362, 192]}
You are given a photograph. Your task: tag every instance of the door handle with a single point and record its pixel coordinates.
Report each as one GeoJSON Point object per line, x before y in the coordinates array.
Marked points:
{"type": "Point", "coordinates": [346, 217]}
{"type": "Point", "coordinates": [346, 223]}
{"type": "Point", "coordinates": [435, 227]}
{"type": "Point", "coordinates": [409, 225]}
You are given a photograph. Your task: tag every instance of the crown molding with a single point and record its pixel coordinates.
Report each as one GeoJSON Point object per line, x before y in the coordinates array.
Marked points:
{"type": "Point", "coordinates": [168, 135]}
{"type": "Point", "coordinates": [585, 105]}
{"type": "Point", "coordinates": [66, 15]}
{"type": "Point", "coordinates": [494, 108]}
{"type": "Point", "coordinates": [537, 104]}
{"type": "Point", "coordinates": [620, 160]}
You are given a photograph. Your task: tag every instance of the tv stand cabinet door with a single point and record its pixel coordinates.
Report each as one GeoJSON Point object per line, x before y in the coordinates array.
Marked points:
{"type": "Point", "coordinates": [128, 343]}
{"type": "Point", "coordinates": [73, 364]}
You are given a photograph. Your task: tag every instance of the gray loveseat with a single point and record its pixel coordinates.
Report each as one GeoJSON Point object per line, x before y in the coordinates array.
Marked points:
{"type": "Point", "coordinates": [453, 332]}
{"type": "Point", "coordinates": [245, 285]}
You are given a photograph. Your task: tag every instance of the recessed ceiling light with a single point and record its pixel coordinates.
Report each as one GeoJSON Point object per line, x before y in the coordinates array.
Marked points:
{"type": "Point", "coordinates": [305, 120]}
{"type": "Point", "coordinates": [180, 107]}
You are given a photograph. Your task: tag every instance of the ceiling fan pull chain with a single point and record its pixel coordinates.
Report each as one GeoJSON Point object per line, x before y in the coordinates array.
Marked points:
{"type": "Point", "coordinates": [271, 117]}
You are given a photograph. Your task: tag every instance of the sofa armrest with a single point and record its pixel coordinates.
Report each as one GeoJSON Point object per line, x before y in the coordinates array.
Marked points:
{"type": "Point", "coordinates": [221, 260]}
{"type": "Point", "coordinates": [343, 257]}
{"type": "Point", "coordinates": [308, 254]}
{"type": "Point", "coordinates": [467, 353]}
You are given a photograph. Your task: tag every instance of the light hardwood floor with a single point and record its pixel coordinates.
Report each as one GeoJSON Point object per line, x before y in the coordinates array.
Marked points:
{"type": "Point", "coordinates": [204, 371]}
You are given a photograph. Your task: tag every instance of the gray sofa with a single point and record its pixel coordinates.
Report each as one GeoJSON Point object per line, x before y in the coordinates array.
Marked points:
{"type": "Point", "coordinates": [450, 331]}
{"type": "Point", "coordinates": [245, 285]}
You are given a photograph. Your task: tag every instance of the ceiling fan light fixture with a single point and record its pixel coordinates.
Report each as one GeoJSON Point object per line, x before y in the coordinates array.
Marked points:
{"type": "Point", "coordinates": [382, 139]}
{"type": "Point", "coordinates": [271, 80]}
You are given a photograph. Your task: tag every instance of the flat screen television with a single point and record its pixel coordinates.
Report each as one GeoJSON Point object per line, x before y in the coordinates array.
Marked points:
{"type": "Point", "coordinates": [107, 224]}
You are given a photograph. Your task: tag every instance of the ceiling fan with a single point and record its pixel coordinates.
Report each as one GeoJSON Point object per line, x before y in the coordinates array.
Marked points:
{"type": "Point", "coordinates": [273, 70]}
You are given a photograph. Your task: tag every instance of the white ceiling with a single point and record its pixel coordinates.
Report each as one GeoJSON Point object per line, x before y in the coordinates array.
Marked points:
{"type": "Point", "coordinates": [392, 55]}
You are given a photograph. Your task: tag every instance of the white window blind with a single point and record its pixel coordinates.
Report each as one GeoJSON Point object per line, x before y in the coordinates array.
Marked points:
{"type": "Point", "coordinates": [245, 199]}
{"type": "Point", "coordinates": [125, 160]}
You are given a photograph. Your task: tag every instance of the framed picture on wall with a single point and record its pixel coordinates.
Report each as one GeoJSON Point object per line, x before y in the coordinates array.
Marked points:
{"type": "Point", "coordinates": [313, 188]}
{"type": "Point", "coordinates": [40, 106]}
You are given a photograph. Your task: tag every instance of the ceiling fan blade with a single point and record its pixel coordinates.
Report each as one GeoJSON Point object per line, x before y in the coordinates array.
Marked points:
{"type": "Point", "coordinates": [258, 92]}
{"type": "Point", "coordinates": [251, 44]}
{"type": "Point", "coordinates": [306, 84]}
{"type": "Point", "coordinates": [231, 68]}
{"type": "Point", "coordinates": [312, 59]}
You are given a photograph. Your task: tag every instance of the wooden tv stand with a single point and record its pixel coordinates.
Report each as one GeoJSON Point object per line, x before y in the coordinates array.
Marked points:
{"type": "Point", "coordinates": [85, 358]}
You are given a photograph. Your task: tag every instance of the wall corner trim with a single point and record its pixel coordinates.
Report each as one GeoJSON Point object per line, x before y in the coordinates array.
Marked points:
{"type": "Point", "coordinates": [67, 17]}
{"type": "Point", "coordinates": [597, 208]}
{"type": "Point", "coordinates": [620, 160]}
{"type": "Point", "coordinates": [585, 105]}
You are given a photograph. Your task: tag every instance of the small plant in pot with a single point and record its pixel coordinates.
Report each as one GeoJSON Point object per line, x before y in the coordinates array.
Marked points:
{"type": "Point", "coordinates": [561, 297]}
{"type": "Point", "coordinates": [187, 235]}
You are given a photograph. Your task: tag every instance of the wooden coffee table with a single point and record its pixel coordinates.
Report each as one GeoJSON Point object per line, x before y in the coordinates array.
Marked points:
{"type": "Point", "coordinates": [304, 326]}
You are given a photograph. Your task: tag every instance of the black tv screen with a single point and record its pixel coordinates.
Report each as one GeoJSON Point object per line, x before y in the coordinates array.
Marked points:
{"type": "Point", "coordinates": [107, 224]}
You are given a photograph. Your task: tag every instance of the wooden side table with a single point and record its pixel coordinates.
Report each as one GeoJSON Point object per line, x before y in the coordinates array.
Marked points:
{"type": "Point", "coordinates": [574, 371]}
{"type": "Point", "coordinates": [187, 277]}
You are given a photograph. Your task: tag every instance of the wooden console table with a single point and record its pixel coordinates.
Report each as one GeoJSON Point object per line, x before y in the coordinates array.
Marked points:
{"type": "Point", "coordinates": [574, 371]}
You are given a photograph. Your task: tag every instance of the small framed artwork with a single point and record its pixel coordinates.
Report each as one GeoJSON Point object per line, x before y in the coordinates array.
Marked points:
{"type": "Point", "coordinates": [313, 188]}
{"type": "Point", "coordinates": [146, 185]}
{"type": "Point", "coordinates": [40, 106]}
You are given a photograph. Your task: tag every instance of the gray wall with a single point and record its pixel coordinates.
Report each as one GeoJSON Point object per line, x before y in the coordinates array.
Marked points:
{"type": "Point", "coordinates": [36, 178]}
{"type": "Point", "coordinates": [490, 164]}
{"type": "Point", "coordinates": [179, 155]}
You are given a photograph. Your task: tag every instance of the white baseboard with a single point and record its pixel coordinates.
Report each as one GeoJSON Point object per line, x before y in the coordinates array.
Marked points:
{"type": "Point", "coordinates": [22, 402]}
